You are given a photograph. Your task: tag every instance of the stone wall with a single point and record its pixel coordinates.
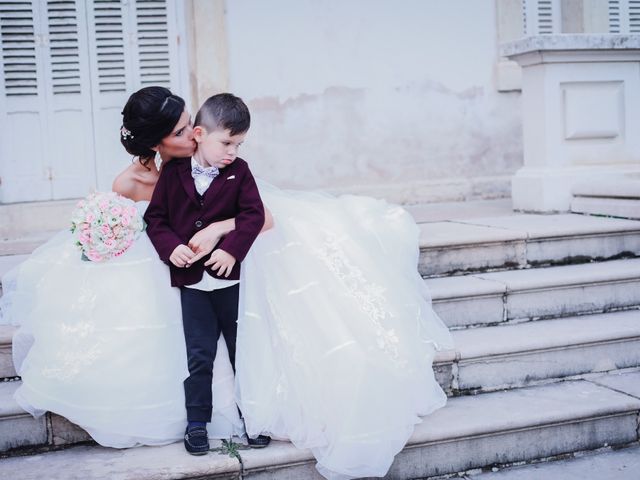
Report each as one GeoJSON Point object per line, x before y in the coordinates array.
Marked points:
{"type": "Point", "coordinates": [374, 96]}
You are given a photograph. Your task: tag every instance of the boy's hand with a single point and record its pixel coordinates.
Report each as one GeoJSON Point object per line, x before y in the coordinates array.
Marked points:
{"type": "Point", "coordinates": [222, 261]}
{"type": "Point", "coordinates": [202, 243]}
{"type": "Point", "coordinates": [181, 256]}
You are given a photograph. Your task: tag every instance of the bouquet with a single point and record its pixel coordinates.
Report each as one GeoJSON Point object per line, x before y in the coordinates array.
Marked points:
{"type": "Point", "coordinates": [105, 225]}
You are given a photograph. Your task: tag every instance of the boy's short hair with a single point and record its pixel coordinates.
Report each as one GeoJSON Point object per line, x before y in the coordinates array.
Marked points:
{"type": "Point", "coordinates": [225, 111]}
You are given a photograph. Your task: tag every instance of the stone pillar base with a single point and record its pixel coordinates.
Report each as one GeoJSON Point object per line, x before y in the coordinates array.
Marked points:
{"type": "Point", "coordinates": [549, 189]}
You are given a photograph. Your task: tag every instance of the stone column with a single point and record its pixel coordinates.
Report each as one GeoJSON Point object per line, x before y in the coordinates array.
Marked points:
{"type": "Point", "coordinates": [581, 114]}
{"type": "Point", "coordinates": [208, 49]}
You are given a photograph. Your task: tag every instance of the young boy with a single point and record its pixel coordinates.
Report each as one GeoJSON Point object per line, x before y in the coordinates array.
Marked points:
{"type": "Point", "coordinates": [192, 193]}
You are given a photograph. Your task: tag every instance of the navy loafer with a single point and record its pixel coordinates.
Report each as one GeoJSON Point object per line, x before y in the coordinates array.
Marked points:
{"type": "Point", "coordinates": [196, 440]}
{"type": "Point", "coordinates": [260, 441]}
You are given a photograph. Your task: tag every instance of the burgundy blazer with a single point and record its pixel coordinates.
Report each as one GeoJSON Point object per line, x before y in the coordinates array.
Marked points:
{"type": "Point", "coordinates": [175, 214]}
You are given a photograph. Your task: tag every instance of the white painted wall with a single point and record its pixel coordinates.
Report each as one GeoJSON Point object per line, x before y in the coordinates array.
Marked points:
{"type": "Point", "coordinates": [372, 92]}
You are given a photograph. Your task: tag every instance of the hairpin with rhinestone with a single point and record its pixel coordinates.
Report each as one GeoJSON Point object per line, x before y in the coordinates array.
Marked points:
{"type": "Point", "coordinates": [125, 132]}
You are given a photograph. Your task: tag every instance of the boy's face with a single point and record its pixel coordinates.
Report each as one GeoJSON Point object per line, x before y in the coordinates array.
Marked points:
{"type": "Point", "coordinates": [217, 148]}
{"type": "Point", "coordinates": [179, 143]}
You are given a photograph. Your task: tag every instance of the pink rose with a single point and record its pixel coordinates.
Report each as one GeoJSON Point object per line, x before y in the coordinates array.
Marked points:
{"type": "Point", "coordinates": [94, 256]}
{"type": "Point", "coordinates": [90, 217]}
{"type": "Point", "coordinates": [104, 229]}
{"type": "Point", "coordinates": [116, 210]}
{"type": "Point", "coordinates": [125, 220]}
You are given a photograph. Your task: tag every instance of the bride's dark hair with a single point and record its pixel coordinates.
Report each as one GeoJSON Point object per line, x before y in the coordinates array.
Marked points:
{"type": "Point", "coordinates": [149, 115]}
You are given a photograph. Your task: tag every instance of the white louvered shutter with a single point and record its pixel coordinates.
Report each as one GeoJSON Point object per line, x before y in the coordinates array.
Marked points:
{"type": "Point", "coordinates": [23, 169]}
{"type": "Point", "coordinates": [111, 82]}
{"type": "Point", "coordinates": [136, 46]}
{"type": "Point", "coordinates": [624, 16]}
{"type": "Point", "coordinates": [541, 17]}
{"type": "Point", "coordinates": [70, 144]}
{"type": "Point", "coordinates": [634, 16]}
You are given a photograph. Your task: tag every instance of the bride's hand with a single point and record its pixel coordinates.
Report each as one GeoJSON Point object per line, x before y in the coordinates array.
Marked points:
{"type": "Point", "coordinates": [202, 242]}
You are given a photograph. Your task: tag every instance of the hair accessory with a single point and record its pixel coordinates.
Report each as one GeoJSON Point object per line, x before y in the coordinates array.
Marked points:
{"type": "Point", "coordinates": [125, 132]}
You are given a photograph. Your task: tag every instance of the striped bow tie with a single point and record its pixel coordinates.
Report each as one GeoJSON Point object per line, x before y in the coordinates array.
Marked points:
{"type": "Point", "coordinates": [212, 172]}
{"type": "Point", "coordinates": [203, 177]}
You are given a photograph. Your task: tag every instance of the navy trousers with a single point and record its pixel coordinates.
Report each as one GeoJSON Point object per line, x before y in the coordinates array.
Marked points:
{"type": "Point", "coordinates": [204, 316]}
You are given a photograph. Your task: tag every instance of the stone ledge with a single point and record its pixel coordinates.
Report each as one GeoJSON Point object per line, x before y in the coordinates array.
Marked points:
{"type": "Point", "coordinates": [570, 42]}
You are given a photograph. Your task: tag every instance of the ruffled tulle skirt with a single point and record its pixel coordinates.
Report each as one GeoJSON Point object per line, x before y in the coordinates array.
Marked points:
{"type": "Point", "coordinates": [337, 335]}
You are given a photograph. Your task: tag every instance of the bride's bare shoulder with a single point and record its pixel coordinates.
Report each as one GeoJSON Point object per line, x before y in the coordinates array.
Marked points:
{"type": "Point", "coordinates": [126, 183]}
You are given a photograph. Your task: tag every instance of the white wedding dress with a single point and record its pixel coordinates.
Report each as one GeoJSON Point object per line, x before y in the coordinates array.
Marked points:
{"type": "Point", "coordinates": [336, 337]}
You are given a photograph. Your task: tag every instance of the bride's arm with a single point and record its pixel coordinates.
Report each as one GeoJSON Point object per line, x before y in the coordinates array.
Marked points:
{"type": "Point", "coordinates": [203, 241]}
{"type": "Point", "coordinates": [268, 220]}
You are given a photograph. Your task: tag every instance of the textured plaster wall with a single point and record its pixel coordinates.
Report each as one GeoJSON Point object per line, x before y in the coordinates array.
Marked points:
{"type": "Point", "coordinates": [372, 92]}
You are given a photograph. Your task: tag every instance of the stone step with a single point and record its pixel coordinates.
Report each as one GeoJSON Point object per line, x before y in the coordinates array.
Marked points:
{"type": "Point", "coordinates": [603, 464]}
{"type": "Point", "coordinates": [519, 355]}
{"type": "Point", "coordinates": [28, 218]}
{"type": "Point", "coordinates": [8, 262]}
{"type": "Point", "coordinates": [19, 430]}
{"type": "Point", "coordinates": [619, 197]}
{"type": "Point", "coordinates": [523, 240]}
{"type": "Point", "coordinates": [6, 361]}
{"type": "Point", "coordinates": [470, 432]}
{"type": "Point", "coordinates": [613, 207]}
{"type": "Point", "coordinates": [25, 244]}
{"type": "Point", "coordinates": [512, 296]}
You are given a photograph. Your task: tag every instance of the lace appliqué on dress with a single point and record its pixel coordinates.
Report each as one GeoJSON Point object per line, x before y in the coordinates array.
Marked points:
{"type": "Point", "coordinates": [368, 295]}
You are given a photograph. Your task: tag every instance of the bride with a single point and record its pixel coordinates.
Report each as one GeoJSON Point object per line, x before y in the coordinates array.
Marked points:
{"type": "Point", "coordinates": [336, 334]}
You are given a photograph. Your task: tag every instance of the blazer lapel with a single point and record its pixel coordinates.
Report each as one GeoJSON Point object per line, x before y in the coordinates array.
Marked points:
{"type": "Point", "coordinates": [218, 183]}
{"type": "Point", "coordinates": [187, 181]}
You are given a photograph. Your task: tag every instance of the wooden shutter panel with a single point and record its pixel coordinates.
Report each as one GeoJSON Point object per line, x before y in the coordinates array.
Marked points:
{"type": "Point", "coordinates": [541, 16]}
{"type": "Point", "coordinates": [614, 16]}
{"type": "Point", "coordinates": [109, 46]}
{"type": "Point", "coordinates": [153, 43]}
{"type": "Point", "coordinates": [624, 16]}
{"type": "Point", "coordinates": [137, 46]}
{"type": "Point", "coordinates": [23, 172]}
{"type": "Point", "coordinates": [64, 48]}
{"type": "Point", "coordinates": [70, 137]}
{"type": "Point", "coordinates": [19, 48]}
{"type": "Point", "coordinates": [634, 16]}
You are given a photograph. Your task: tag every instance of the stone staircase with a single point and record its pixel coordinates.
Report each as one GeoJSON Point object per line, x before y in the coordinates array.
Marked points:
{"type": "Point", "coordinates": [545, 313]}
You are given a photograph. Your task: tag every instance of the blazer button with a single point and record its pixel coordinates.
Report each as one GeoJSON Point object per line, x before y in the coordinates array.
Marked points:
{"type": "Point", "coordinates": [198, 223]}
